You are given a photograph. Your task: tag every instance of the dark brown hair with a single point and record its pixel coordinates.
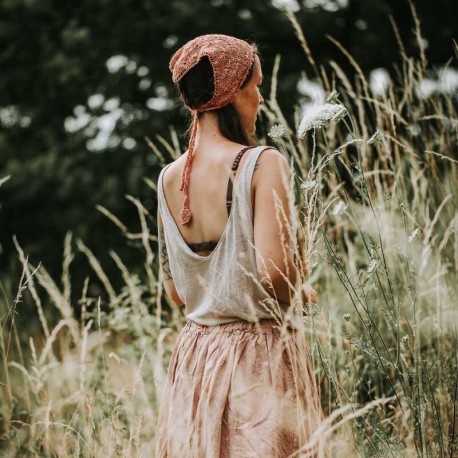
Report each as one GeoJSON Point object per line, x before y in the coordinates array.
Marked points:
{"type": "Point", "coordinates": [196, 88]}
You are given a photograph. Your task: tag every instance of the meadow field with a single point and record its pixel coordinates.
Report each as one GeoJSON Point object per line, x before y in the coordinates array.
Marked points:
{"type": "Point", "coordinates": [375, 188]}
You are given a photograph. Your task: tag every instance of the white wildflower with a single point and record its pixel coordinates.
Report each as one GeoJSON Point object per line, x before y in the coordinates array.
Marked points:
{"type": "Point", "coordinates": [312, 90]}
{"type": "Point", "coordinates": [159, 103]}
{"type": "Point", "coordinates": [144, 84]}
{"type": "Point", "coordinates": [131, 66]}
{"type": "Point", "coordinates": [339, 208]}
{"type": "Point", "coordinates": [9, 115]}
{"type": "Point", "coordinates": [372, 266]}
{"type": "Point", "coordinates": [78, 121]}
{"type": "Point", "coordinates": [142, 71]}
{"type": "Point", "coordinates": [95, 101]}
{"type": "Point", "coordinates": [320, 116]}
{"type": "Point", "coordinates": [413, 235]}
{"type": "Point", "coordinates": [307, 185]}
{"type": "Point", "coordinates": [414, 130]}
{"type": "Point", "coordinates": [170, 41]}
{"type": "Point", "coordinates": [326, 5]}
{"type": "Point", "coordinates": [245, 14]}
{"type": "Point", "coordinates": [379, 81]}
{"type": "Point", "coordinates": [289, 5]}
{"type": "Point", "coordinates": [426, 87]}
{"type": "Point", "coordinates": [111, 104]}
{"type": "Point", "coordinates": [446, 83]}
{"type": "Point", "coordinates": [115, 63]}
{"type": "Point", "coordinates": [361, 24]}
{"type": "Point", "coordinates": [277, 131]}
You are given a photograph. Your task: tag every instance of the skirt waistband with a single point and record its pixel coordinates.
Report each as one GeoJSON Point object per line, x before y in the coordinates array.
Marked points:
{"type": "Point", "coordinates": [264, 326]}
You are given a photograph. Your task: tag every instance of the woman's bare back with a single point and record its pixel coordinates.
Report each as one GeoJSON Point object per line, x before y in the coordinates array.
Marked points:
{"type": "Point", "coordinates": [208, 187]}
{"type": "Point", "coordinates": [269, 188]}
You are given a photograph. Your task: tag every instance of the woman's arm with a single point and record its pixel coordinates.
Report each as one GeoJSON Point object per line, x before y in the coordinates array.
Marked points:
{"type": "Point", "coordinates": [273, 228]}
{"type": "Point", "coordinates": [167, 278]}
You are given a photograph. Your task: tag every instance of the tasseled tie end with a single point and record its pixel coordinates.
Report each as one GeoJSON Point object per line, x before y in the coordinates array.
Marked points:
{"type": "Point", "coordinates": [185, 212]}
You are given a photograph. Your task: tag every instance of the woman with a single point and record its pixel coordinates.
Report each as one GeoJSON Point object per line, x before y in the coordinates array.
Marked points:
{"type": "Point", "coordinates": [239, 382]}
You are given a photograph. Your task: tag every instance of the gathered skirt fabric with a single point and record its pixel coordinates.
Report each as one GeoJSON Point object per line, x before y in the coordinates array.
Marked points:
{"type": "Point", "coordinates": [238, 390]}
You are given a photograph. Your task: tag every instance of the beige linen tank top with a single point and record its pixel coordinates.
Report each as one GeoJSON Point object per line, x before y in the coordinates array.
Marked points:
{"type": "Point", "coordinates": [225, 285]}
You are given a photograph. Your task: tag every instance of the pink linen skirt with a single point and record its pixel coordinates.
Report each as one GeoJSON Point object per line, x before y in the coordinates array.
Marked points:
{"type": "Point", "coordinates": [238, 390]}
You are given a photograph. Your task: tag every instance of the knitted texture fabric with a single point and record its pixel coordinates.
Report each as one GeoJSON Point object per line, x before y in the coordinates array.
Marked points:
{"type": "Point", "coordinates": [231, 60]}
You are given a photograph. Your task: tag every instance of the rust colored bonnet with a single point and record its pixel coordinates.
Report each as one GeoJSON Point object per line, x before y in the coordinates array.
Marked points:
{"type": "Point", "coordinates": [231, 59]}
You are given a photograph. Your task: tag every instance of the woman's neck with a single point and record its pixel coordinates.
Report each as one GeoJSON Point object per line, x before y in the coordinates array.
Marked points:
{"type": "Point", "coordinates": [209, 136]}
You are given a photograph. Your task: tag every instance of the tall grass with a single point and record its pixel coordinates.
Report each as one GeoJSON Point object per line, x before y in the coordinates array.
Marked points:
{"type": "Point", "coordinates": [376, 199]}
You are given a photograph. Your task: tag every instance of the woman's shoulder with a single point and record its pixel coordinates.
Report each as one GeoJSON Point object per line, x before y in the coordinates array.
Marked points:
{"type": "Point", "coordinates": [270, 151]}
{"type": "Point", "coordinates": [167, 176]}
{"type": "Point", "coordinates": [270, 160]}
{"type": "Point", "coordinates": [174, 166]}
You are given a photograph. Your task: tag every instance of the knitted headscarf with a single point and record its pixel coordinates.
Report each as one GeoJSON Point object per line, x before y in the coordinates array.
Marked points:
{"type": "Point", "coordinates": [231, 60]}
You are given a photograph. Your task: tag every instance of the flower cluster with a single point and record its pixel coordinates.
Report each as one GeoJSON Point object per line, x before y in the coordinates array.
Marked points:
{"type": "Point", "coordinates": [319, 116]}
{"type": "Point", "coordinates": [277, 131]}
